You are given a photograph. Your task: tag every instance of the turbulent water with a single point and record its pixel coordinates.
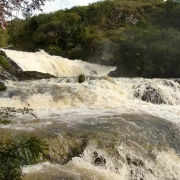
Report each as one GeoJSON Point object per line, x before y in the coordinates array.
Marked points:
{"type": "Point", "coordinates": [118, 128]}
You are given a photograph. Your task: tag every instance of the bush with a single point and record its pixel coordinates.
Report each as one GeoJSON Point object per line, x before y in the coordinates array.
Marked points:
{"type": "Point", "coordinates": [18, 152]}
{"type": "Point", "coordinates": [53, 50]}
{"type": "Point", "coordinates": [76, 53]}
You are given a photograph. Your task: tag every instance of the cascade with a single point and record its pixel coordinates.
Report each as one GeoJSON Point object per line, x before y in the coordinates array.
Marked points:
{"type": "Point", "coordinates": [103, 128]}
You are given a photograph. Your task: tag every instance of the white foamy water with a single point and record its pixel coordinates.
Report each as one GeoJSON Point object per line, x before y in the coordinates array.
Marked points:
{"type": "Point", "coordinates": [100, 99]}
{"type": "Point", "coordinates": [114, 169]}
{"type": "Point", "coordinates": [100, 94]}
{"type": "Point", "coordinates": [55, 65]}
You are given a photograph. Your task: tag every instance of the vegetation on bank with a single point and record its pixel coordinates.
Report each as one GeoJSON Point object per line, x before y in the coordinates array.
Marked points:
{"type": "Point", "coordinates": [140, 37]}
{"type": "Point", "coordinates": [17, 152]}
{"type": "Point", "coordinates": [18, 149]}
{"type": "Point", "coordinates": [4, 63]}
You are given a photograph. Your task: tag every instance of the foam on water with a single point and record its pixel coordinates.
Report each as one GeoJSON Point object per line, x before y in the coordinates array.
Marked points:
{"type": "Point", "coordinates": [102, 94]}
{"type": "Point", "coordinates": [115, 168]}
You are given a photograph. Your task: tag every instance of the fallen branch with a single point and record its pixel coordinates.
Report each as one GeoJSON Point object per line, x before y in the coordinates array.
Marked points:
{"type": "Point", "coordinates": [6, 112]}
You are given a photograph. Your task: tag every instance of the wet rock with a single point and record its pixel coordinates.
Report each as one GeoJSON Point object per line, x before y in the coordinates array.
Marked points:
{"type": "Point", "coordinates": [168, 83]}
{"type": "Point", "coordinates": [99, 160]}
{"type": "Point", "coordinates": [2, 86]}
{"type": "Point", "coordinates": [177, 80]}
{"type": "Point", "coordinates": [4, 75]}
{"type": "Point", "coordinates": [115, 73]}
{"type": "Point", "coordinates": [148, 94]}
{"type": "Point", "coordinates": [33, 75]}
{"type": "Point", "coordinates": [134, 161]}
{"type": "Point", "coordinates": [81, 78]}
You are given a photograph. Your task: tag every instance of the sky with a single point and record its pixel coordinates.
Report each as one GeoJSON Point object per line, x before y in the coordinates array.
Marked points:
{"type": "Point", "coordinates": [62, 4]}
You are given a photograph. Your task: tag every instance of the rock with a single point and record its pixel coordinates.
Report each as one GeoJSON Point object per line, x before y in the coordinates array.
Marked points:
{"type": "Point", "coordinates": [2, 86]}
{"type": "Point", "coordinates": [134, 161]}
{"type": "Point", "coordinates": [115, 73]}
{"type": "Point", "coordinates": [99, 160]}
{"type": "Point", "coordinates": [6, 75]}
{"type": "Point", "coordinates": [148, 94]}
{"type": "Point", "coordinates": [177, 80]}
{"type": "Point", "coordinates": [81, 78]}
{"type": "Point", "coordinates": [32, 75]}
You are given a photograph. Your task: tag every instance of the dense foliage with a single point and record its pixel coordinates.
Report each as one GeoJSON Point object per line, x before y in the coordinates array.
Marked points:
{"type": "Point", "coordinates": [17, 152]}
{"type": "Point", "coordinates": [141, 37]}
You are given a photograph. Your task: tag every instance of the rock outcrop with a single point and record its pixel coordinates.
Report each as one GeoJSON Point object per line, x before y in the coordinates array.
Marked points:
{"type": "Point", "coordinates": [115, 73]}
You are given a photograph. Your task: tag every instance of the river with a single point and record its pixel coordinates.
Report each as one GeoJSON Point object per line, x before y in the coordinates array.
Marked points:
{"type": "Point", "coordinates": [105, 128]}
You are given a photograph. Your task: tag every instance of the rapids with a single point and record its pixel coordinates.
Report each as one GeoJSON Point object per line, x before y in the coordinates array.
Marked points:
{"type": "Point", "coordinates": [104, 128]}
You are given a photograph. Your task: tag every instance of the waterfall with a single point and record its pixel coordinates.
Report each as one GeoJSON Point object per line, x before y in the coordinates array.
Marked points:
{"type": "Point", "coordinates": [55, 65]}
{"type": "Point", "coordinates": [103, 128]}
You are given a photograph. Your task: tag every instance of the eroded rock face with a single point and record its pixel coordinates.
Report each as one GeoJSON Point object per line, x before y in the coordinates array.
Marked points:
{"type": "Point", "coordinates": [148, 94]}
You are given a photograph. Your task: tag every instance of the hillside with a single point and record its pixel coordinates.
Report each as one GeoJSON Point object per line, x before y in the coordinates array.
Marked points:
{"type": "Point", "coordinates": [140, 37]}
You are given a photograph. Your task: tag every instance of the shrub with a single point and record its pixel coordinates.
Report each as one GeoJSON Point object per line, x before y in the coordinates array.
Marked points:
{"type": "Point", "coordinates": [76, 53]}
{"type": "Point", "coordinates": [54, 50]}
{"type": "Point", "coordinates": [18, 152]}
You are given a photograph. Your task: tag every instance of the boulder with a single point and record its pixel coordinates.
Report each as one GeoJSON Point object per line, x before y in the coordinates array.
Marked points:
{"type": "Point", "coordinates": [148, 94]}
{"type": "Point", "coordinates": [81, 78]}
{"type": "Point", "coordinates": [115, 73]}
